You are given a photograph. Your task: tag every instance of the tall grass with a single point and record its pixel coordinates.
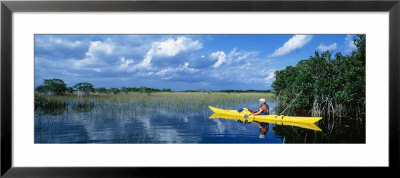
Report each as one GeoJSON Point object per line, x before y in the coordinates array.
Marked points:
{"type": "Point", "coordinates": [172, 101]}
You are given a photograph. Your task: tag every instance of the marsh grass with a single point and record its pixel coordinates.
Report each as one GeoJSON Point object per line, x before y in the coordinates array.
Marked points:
{"type": "Point", "coordinates": [175, 101]}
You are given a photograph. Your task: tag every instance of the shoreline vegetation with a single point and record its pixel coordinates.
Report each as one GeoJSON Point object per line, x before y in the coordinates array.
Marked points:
{"type": "Point", "coordinates": [321, 85]}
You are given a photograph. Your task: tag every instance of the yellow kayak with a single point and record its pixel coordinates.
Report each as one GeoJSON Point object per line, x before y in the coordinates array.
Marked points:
{"type": "Point", "coordinates": [246, 114]}
{"type": "Point", "coordinates": [249, 120]}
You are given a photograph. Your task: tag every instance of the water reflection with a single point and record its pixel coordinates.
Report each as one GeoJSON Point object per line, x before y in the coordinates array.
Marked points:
{"type": "Point", "coordinates": [334, 131]}
{"type": "Point", "coordinates": [264, 127]}
{"type": "Point", "coordinates": [53, 108]}
{"type": "Point", "coordinates": [83, 107]}
{"type": "Point", "coordinates": [159, 126]}
{"type": "Point", "coordinates": [87, 122]}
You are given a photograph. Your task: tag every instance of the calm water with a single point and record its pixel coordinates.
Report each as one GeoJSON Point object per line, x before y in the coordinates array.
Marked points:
{"type": "Point", "coordinates": [92, 123]}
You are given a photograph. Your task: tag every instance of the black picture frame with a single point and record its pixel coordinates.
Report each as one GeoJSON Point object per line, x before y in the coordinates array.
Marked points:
{"type": "Point", "coordinates": [8, 7]}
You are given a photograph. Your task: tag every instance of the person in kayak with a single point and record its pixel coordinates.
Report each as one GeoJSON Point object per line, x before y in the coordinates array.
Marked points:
{"type": "Point", "coordinates": [264, 108]}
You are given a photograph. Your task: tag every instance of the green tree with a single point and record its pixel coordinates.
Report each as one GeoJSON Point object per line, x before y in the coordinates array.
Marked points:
{"type": "Point", "coordinates": [54, 86]}
{"type": "Point", "coordinates": [70, 90]}
{"type": "Point", "coordinates": [133, 89]}
{"type": "Point", "coordinates": [42, 89]}
{"type": "Point", "coordinates": [359, 54]}
{"type": "Point", "coordinates": [124, 90]}
{"type": "Point", "coordinates": [84, 88]}
{"type": "Point", "coordinates": [113, 91]}
{"type": "Point", "coordinates": [100, 90]}
{"type": "Point", "coordinates": [166, 90]}
{"type": "Point", "coordinates": [144, 91]}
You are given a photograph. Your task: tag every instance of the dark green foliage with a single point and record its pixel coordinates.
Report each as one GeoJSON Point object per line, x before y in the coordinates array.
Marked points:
{"type": "Point", "coordinates": [324, 85]}
{"type": "Point", "coordinates": [54, 108]}
{"type": "Point", "coordinates": [69, 90]}
{"type": "Point", "coordinates": [144, 91]}
{"type": "Point", "coordinates": [113, 91]}
{"type": "Point", "coordinates": [84, 87]}
{"type": "Point", "coordinates": [100, 90]}
{"type": "Point", "coordinates": [39, 101]}
{"type": "Point", "coordinates": [133, 89]}
{"type": "Point", "coordinates": [124, 90]}
{"type": "Point", "coordinates": [83, 107]}
{"type": "Point", "coordinates": [52, 86]}
{"type": "Point", "coordinates": [166, 90]}
{"type": "Point", "coordinates": [42, 89]}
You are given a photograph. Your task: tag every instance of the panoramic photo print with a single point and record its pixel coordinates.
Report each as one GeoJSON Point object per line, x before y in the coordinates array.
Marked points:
{"type": "Point", "coordinates": [199, 88]}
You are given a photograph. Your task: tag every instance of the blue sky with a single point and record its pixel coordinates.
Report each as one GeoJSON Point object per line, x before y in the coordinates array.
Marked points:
{"type": "Point", "coordinates": [179, 62]}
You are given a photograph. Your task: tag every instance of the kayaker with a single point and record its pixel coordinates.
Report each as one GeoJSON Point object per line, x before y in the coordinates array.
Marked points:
{"type": "Point", "coordinates": [264, 108]}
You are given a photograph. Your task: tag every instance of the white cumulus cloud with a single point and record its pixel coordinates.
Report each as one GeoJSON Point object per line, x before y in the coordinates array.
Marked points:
{"type": "Point", "coordinates": [271, 76]}
{"type": "Point", "coordinates": [169, 72]}
{"type": "Point", "coordinates": [296, 42]}
{"type": "Point", "coordinates": [167, 48]}
{"type": "Point", "coordinates": [220, 55]}
{"type": "Point", "coordinates": [323, 47]}
{"type": "Point", "coordinates": [98, 46]}
{"type": "Point", "coordinates": [125, 63]}
{"type": "Point", "coordinates": [233, 57]}
{"type": "Point", "coordinates": [172, 47]}
{"type": "Point", "coordinates": [96, 49]}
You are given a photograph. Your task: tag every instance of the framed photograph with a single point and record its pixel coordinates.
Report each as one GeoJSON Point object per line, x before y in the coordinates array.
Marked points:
{"type": "Point", "coordinates": [113, 88]}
